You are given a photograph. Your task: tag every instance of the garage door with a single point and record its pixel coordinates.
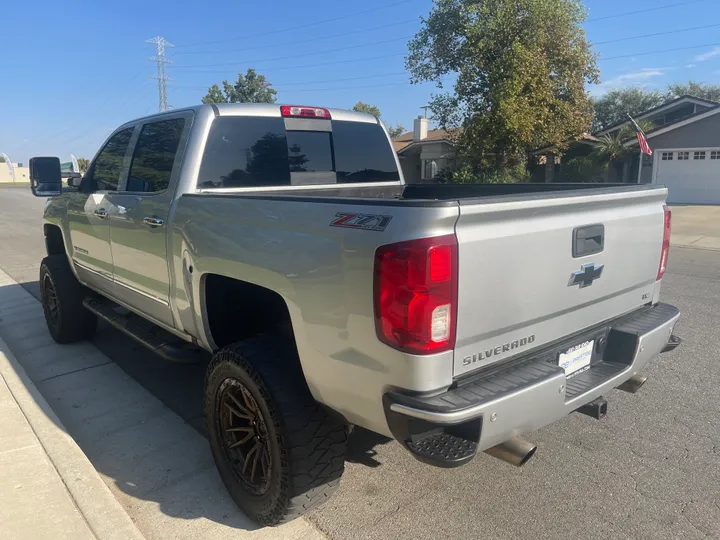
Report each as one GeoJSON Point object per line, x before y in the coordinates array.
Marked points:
{"type": "Point", "coordinates": [692, 176]}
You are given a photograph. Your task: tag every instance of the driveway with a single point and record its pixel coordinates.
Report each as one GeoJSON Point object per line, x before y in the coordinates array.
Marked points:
{"type": "Point", "coordinates": [696, 226]}
{"type": "Point", "coordinates": [650, 469]}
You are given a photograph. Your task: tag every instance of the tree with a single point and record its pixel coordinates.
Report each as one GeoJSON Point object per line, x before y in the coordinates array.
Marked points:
{"type": "Point", "coordinates": [394, 131]}
{"type": "Point", "coordinates": [614, 106]}
{"type": "Point", "coordinates": [695, 89]}
{"type": "Point", "coordinates": [83, 164]}
{"type": "Point", "coordinates": [609, 148]}
{"type": "Point", "coordinates": [522, 67]}
{"type": "Point", "coordinates": [249, 88]}
{"type": "Point", "coordinates": [366, 108]}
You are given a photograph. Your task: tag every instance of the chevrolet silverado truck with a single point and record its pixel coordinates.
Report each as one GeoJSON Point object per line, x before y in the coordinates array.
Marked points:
{"type": "Point", "coordinates": [283, 242]}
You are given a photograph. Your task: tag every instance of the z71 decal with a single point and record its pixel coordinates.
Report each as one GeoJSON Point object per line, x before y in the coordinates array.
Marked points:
{"type": "Point", "coordinates": [368, 222]}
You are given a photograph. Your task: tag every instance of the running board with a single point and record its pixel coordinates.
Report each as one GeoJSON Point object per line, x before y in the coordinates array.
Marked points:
{"type": "Point", "coordinates": [173, 350]}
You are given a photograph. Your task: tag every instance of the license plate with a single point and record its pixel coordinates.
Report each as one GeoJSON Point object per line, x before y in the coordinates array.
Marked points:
{"type": "Point", "coordinates": [577, 357]}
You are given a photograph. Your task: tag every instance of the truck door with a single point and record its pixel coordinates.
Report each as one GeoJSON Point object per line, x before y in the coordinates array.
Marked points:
{"type": "Point", "coordinates": [139, 219]}
{"type": "Point", "coordinates": [89, 212]}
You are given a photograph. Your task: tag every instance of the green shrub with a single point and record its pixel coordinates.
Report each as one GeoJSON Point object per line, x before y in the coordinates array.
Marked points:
{"type": "Point", "coordinates": [583, 169]}
{"type": "Point", "coordinates": [465, 174]}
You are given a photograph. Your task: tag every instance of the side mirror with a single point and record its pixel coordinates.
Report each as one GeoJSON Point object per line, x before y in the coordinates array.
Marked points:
{"type": "Point", "coordinates": [45, 176]}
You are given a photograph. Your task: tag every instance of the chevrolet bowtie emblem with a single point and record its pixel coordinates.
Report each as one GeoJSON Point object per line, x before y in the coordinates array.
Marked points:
{"type": "Point", "coordinates": [586, 275]}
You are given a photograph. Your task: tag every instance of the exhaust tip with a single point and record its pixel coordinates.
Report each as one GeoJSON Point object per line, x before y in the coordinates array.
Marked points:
{"type": "Point", "coordinates": [528, 455]}
{"type": "Point", "coordinates": [633, 384]}
{"type": "Point", "coordinates": [515, 451]}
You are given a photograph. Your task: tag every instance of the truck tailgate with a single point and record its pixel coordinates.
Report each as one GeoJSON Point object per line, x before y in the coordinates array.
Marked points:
{"type": "Point", "coordinates": [521, 285]}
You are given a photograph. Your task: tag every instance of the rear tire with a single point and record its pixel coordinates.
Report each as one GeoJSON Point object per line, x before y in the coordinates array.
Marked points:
{"type": "Point", "coordinates": [294, 451]}
{"type": "Point", "coordinates": [62, 296]}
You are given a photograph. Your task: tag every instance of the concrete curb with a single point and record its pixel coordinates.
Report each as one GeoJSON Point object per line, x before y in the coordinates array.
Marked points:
{"type": "Point", "coordinates": [103, 514]}
{"type": "Point", "coordinates": [166, 489]}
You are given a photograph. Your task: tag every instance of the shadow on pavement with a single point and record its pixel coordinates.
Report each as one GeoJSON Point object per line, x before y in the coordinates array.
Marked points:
{"type": "Point", "coordinates": [137, 417]}
{"type": "Point", "coordinates": [361, 447]}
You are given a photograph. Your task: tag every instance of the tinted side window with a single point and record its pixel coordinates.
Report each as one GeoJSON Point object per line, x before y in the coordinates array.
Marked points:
{"type": "Point", "coordinates": [108, 164]}
{"type": "Point", "coordinates": [245, 152]}
{"type": "Point", "coordinates": [154, 156]}
{"type": "Point", "coordinates": [363, 153]}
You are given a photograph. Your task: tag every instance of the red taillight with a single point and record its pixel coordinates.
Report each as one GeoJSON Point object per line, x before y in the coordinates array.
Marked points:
{"type": "Point", "coordinates": [416, 294]}
{"type": "Point", "coordinates": [666, 243]}
{"type": "Point", "coordinates": [304, 112]}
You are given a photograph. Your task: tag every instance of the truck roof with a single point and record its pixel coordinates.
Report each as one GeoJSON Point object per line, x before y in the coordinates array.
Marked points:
{"type": "Point", "coordinates": [259, 109]}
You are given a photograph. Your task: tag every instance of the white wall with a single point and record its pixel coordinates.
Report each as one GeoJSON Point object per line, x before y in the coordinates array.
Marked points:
{"type": "Point", "coordinates": [22, 174]}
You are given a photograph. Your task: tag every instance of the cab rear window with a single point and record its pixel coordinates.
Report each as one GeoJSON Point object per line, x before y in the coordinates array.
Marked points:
{"type": "Point", "coordinates": [259, 152]}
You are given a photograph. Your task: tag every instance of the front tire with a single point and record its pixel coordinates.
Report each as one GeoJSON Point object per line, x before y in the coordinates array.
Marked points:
{"type": "Point", "coordinates": [279, 453]}
{"type": "Point", "coordinates": [62, 296]}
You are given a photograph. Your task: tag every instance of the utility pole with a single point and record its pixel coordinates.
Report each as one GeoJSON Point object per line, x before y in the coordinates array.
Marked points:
{"type": "Point", "coordinates": [162, 79]}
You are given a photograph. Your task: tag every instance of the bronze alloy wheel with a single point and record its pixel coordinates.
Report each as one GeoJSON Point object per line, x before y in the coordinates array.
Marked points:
{"type": "Point", "coordinates": [244, 436]}
{"type": "Point", "coordinates": [51, 300]}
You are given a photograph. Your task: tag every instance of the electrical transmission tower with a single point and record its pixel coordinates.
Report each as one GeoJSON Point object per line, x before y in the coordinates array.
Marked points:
{"type": "Point", "coordinates": [162, 79]}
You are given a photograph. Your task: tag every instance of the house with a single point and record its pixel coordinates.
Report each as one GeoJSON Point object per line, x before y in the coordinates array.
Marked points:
{"type": "Point", "coordinates": [424, 153]}
{"type": "Point", "coordinates": [685, 141]}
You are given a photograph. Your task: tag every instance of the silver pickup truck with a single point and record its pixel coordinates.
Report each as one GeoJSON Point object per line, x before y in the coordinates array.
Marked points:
{"type": "Point", "coordinates": [283, 241]}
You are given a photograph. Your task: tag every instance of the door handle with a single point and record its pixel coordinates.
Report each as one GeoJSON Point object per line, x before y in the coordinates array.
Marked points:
{"type": "Point", "coordinates": [101, 213]}
{"type": "Point", "coordinates": [153, 222]}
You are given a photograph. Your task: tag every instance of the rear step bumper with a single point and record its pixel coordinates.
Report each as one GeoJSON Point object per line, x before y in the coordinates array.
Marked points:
{"type": "Point", "coordinates": [448, 429]}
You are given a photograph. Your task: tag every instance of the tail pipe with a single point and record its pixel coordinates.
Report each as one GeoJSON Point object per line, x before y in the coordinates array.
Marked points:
{"type": "Point", "coordinates": [633, 384]}
{"type": "Point", "coordinates": [515, 451]}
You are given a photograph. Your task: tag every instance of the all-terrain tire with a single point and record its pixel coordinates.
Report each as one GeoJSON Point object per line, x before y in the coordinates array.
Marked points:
{"type": "Point", "coordinates": [62, 296]}
{"type": "Point", "coordinates": [306, 445]}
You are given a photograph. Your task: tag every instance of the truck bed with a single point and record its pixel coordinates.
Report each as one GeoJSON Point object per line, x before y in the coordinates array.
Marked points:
{"type": "Point", "coordinates": [423, 194]}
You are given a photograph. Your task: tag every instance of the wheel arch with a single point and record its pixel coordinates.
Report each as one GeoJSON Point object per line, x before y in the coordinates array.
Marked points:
{"type": "Point", "coordinates": [54, 240]}
{"type": "Point", "coordinates": [234, 309]}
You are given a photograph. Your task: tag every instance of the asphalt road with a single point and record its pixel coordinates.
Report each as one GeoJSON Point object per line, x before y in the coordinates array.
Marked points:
{"type": "Point", "coordinates": [650, 469]}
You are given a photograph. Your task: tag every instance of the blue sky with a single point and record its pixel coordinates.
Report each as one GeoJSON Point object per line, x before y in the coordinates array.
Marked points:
{"type": "Point", "coordinates": [75, 70]}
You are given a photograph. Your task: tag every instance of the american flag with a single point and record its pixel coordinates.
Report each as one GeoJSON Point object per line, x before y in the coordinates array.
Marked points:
{"type": "Point", "coordinates": [642, 141]}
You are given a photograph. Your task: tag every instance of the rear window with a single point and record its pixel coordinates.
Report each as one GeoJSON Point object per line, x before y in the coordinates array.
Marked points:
{"type": "Point", "coordinates": [257, 152]}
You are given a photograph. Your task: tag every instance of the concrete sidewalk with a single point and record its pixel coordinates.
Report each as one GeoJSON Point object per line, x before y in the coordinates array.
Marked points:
{"type": "Point", "coordinates": [157, 467]}
{"type": "Point", "coordinates": [48, 488]}
{"type": "Point", "coordinates": [696, 226]}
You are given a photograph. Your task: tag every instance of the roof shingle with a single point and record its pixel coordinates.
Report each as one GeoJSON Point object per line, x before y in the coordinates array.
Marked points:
{"type": "Point", "coordinates": [406, 139]}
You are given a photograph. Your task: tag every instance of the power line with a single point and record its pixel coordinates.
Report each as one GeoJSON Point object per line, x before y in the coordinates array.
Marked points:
{"type": "Point", "coordinates": [101, 107]}
{"type": "Point", "coordinates": [304, 83]}
{"type": "Point", "coordinates": [658, 8]}
{"type": "Point", "coordinates": [143, 91]}
{"type": "Point", "coordinates": [658, 34]}
{"type": "Point", "coordinates": [305, 65]}
{"type": "Point", "coordinates": [291, 56]}
{"type": "Point", "coordinates": [661, 51]}
{"type": "Point", "coordinates": [354, 87]}
{"type": "Point", "coordinates": [350, 47]}
{"type": "Point", "coordinates": [296, 27]}
{"type": "Point", "coordinates": [283, 88]}
{"type": "Point", "coordinates": [350, 61]}
{"type": "Point", "coordinates": [162, 79]}
{"type": "Point", "coordinates": [296, 42]}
